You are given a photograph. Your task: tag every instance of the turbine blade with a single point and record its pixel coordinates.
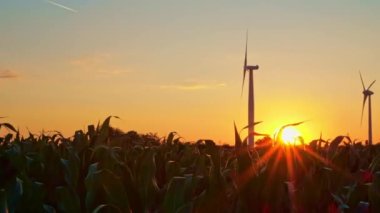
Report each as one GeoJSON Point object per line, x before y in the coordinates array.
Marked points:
{"type": "Point", "coordinates": [245, 63]}
{"type": "Point", "coordinates": [364, 100]}
{"type": "Point", "coordinates": [242, 85]}
{"type": "Point", "coordinates": [361, 78]}
{"type": "Point", "coordinates": [246, 50]}
{"type": "Point", "coordinates": [371, 84]}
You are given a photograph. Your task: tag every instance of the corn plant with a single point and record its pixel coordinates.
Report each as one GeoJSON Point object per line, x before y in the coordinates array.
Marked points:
{"type": "Point", "coordinates": [106, 170]}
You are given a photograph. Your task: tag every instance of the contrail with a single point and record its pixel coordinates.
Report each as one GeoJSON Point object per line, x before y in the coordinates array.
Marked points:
{"type": "Point", "coordinates": [61, 6]}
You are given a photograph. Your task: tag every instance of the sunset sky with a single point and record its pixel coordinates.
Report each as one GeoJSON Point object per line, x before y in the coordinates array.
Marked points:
{"type": "Point", "coordinates": [165, 66]}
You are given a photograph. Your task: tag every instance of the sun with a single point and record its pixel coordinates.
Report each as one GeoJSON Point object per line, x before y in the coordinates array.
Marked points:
{"type": "Point", "coordinates": [290, 135]}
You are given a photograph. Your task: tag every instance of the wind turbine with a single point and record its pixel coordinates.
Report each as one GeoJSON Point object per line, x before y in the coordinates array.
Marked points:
{"type": "Point", "coordinates": [367, 95]}
{"type": "Point", "coordinates": [251, 98]}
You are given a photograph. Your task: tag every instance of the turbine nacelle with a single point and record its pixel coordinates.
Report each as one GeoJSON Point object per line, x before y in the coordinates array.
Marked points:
{"type": "Point", "coordinates": [250, 67]}
{"type": "Point", "coordinates": [368, 92]}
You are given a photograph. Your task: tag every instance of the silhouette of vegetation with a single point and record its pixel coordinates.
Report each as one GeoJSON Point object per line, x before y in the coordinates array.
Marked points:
{"type": "Point", "coordinates": [107, 170]}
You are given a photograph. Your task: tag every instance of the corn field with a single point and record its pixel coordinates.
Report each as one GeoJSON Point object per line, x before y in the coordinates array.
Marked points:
{"type": "Point", "coordinates": [105, 170]}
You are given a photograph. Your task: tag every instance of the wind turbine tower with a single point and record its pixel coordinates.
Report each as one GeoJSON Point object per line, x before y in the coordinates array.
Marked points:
{"type": "Point", "coordinates": [367, 95]}
{"type": "Point", "coordinates": [251, 97]}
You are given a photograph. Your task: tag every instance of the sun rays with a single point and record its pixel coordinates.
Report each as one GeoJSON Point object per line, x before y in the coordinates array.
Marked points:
{"type": "Point", "coordinates": [295, 164]}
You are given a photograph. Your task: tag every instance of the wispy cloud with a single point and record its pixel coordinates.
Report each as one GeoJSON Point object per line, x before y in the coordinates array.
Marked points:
{"type": "Point", "coordinates": [98, 63]}
{"type": "Point", "coordinates": [193, 85]}
{"type": "Point", "coordinates": [7, 74]}
{"type": "Point", "coordinates": [113, 71]}
{"type": "Point", "coordinates": [61, 6]}
{"type": "Point", "coordinates": [91, 61]}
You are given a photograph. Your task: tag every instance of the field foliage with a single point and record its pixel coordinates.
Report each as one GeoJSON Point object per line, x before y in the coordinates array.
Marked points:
{"type": "Point", "coordinates": [106, 170]}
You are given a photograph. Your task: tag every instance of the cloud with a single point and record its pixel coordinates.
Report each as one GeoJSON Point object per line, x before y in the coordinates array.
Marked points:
{"type": "Point", "coordinates": [7, 74]}
{"type": "Point", "coordinates": [192, 85]}
{"type": "Point", "coordinates": [113, 71]}
{"type": "Point", "coordinates": [98, 63]}
{"type": "Point", "coordinates": [61, 6]}
{"type": "Point", "coordinates": [91, 61]}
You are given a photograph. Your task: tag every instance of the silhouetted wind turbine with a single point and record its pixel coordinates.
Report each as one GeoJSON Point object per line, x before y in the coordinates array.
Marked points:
{"type": "Point", "coordinates": [251, 98]}
{"type": "Point", "coordinates": [367, 94]}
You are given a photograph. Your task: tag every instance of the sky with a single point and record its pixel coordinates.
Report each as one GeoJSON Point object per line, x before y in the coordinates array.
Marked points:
{"type": "Point", "coordinates": [176, 65]}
